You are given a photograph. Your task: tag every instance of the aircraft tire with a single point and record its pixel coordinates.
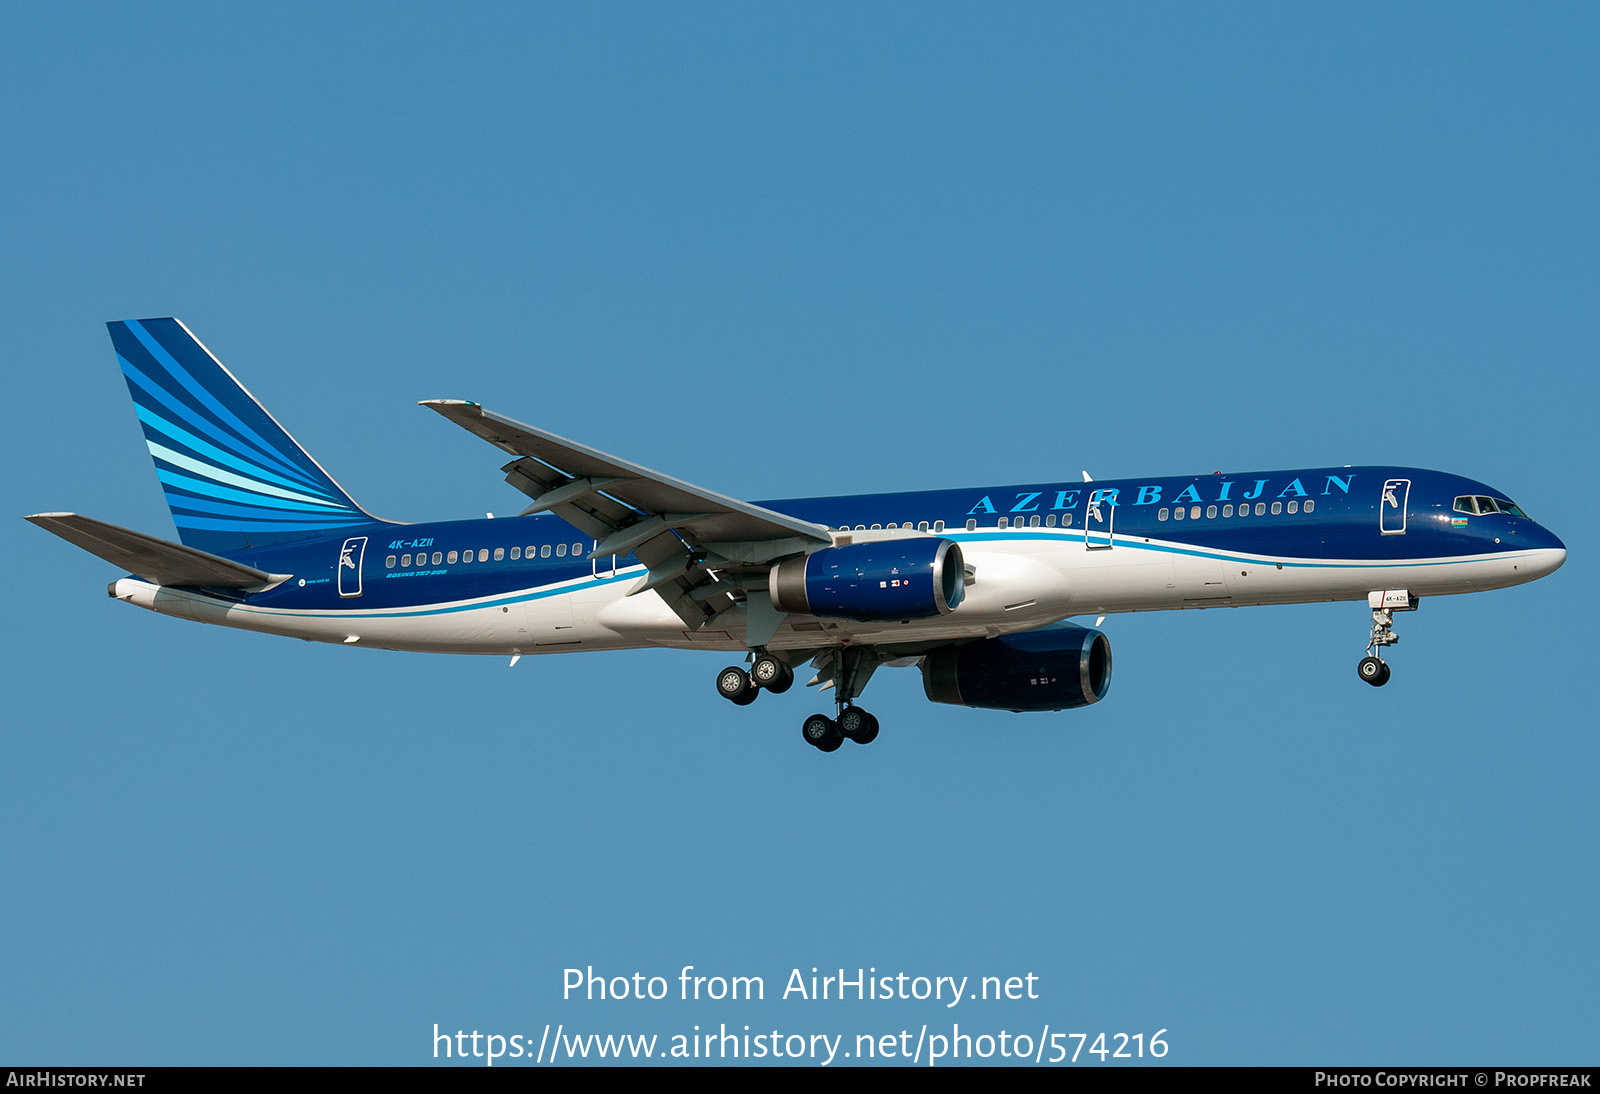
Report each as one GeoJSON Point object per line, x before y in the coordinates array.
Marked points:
{"type": "Point", "coordinates": [772, 675]}
{"type": "Point", "coordinates": [1373, 671]}
{"type": "Point", "coordinates": [735, 685]}
{"type": "Point", "coordinates": [858, 725]}
{"type": "Point", "coordinates": [868, 734]}
{"type": "Point", "coordinates": [820, 732]}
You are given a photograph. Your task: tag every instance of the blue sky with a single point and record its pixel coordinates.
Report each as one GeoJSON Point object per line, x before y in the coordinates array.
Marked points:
{"type": "Point", "coordinates": [780, 252]}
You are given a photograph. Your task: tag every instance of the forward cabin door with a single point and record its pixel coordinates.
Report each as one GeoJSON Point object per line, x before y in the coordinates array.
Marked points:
{"type": "Point", "coordinates": [1392, 507]}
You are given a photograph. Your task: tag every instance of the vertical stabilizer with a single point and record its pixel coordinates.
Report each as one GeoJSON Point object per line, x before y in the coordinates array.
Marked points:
{"type": "Point", "coordinates": [233, 476]}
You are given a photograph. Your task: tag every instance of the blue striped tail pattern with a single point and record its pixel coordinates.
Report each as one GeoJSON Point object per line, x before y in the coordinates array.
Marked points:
{"type": "Point", "coordinates": [233, 476]}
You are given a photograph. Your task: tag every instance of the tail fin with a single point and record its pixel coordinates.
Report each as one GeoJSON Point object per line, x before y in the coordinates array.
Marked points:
{"type": "Point", "coordinates": [233, 477]}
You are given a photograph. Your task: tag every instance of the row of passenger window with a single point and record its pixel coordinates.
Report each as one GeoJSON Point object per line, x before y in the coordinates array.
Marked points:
{"type": "Point", "coordinates": [938, 526]}
{"type": "Point", "coordinates": [1192, 513]}
{"type": "Point", "coordinates": [449, 558]}
{"type": "Point", "coordinates": [1278, 507]}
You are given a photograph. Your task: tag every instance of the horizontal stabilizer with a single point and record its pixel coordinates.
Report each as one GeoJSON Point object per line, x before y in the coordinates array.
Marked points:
{"type": "Point", "coordinates": [152, 559]}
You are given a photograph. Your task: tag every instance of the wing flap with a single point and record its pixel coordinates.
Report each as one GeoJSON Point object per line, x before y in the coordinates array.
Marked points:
{"type": "Point", "coordinates": [152, 559]}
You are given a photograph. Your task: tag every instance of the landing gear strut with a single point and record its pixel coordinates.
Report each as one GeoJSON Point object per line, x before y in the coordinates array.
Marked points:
{"type": "Point", "coordinates": [1374, 669]}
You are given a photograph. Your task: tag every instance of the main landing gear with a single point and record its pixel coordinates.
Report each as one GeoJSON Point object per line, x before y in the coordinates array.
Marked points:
{"type": "Point", "coordinates": [827, 734]}
{"type": "Point", "coordinates": [767, 673]}
{"type": "Point", "coordinates": [847, 669]}
{"type": "Point", "coordinates": [1374, 669]}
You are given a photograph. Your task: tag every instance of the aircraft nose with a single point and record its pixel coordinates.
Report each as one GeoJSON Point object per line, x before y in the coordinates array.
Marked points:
{"type": "Point", "coordinates": [1549, 552]}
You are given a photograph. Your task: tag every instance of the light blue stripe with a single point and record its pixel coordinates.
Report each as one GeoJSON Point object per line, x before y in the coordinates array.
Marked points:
{"type": "Point", "coordinates": [228, 478]}
{"type": "Point", "coordinates": [182, 436]}
{"type": "Point", "coordinates": [1074, 537]}
{"type": "Point", "coordinates": [183, 520]}
{"type": "Point", "coordinates": [212, 490]}
{"type": "Point", "coordinates": [155, 391]}
{"type": "Point", "coordinates": [198, 390]}
{"type": "Point", "coordinates": [221, 508]}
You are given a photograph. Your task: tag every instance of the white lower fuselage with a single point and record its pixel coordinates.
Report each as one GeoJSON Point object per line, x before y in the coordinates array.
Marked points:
{"type": "Point", "coordinates": [1017, 581]}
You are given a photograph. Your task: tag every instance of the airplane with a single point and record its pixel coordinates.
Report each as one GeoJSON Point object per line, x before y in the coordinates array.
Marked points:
{"type": "Point", "coordinates": [976, 587]}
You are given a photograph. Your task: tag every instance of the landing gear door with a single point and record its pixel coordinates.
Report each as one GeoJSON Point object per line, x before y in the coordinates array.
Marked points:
{"type": "Point", "coordinates": [1392, 507]}
{"type": "Point", "coordinates": [350, 556]}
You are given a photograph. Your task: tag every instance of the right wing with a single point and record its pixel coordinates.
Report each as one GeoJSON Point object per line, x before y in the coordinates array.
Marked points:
{"type": "Point", "coordinates": [700, 546]}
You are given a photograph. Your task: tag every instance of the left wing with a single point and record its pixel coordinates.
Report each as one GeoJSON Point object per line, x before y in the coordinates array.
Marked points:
{"type": "Point", "coordinates": [700, 547]}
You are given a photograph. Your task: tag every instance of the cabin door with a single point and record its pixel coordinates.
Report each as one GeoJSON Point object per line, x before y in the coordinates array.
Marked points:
{"type": "Point", "coordinates": [1392, 507]}
{"type": "Point", "coordinates": [1099, 520]}
{"type": "Point", "coordinates": [350, 556]}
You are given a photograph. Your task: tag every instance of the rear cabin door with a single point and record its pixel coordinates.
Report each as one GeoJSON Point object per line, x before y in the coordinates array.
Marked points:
{"type": "Point", "coordinates": [350, 556]}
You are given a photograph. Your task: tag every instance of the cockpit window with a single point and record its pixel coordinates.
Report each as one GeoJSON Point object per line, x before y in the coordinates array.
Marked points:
{"type": "Point", "coordinates": [1482, 505]}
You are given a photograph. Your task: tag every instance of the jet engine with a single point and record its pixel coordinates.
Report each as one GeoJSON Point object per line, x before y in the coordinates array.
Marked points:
{"type": "Point", "coordinates": [1051, 668]}
{"type": "Point", "coordinates": [915, 578]}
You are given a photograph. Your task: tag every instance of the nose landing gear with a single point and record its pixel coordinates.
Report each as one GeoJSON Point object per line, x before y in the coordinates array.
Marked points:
{"type": "Point", "coordinates": [1374, 669]}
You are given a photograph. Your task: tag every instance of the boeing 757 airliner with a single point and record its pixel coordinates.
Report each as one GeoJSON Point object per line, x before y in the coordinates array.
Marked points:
{"type": "Point", "coordinates": [974, 586]}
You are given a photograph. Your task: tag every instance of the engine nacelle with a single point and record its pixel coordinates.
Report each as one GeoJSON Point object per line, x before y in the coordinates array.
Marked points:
{"type": "Point", "coordinates": [1052, 668]}
{"type": "Point", "coordinates": [914, 578]}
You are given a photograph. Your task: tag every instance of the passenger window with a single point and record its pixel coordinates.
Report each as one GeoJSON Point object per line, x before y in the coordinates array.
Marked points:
{"type": "Point", "coordinates": [516, 553]}
{"type": "Point", "coordinates": [1277, 507]}
{"type": "Point", "coordinates": [1003, 521]}
{"type": "Point", "coordinates": [1179, 513]}
{"type": "Point", "coordinates": [1294, 507]}
{"type": "Point", "coordinates": [405, 561]}
{"type": "Point", "coordinates": [466, 557]}
{"type": "Point", "coordinates": [922, 526]}
{"type": "Point", "coordinates": [1066, 519]}
{"type": "Point", "coordinates": [1162, 514]}
{"type": "Point", "coordinates": [938, 526]}
{"type": "Point", "coordinates": [499, 554]}
{"type": "Point", "coordinates": [389, 562]}
{"type": "Point", "coordinates": [1311, 506]}
{"type": "Point", "coordinates": [450, 558]}
{"type": "Point", "coordinates": [861, 527]}
{"type": "Point", "coordinates": [438, 558]}
{"type": "Point", "coordinates": [972, 523]}
{"type": "Point", "coordinates": [544, 552]}
{"type": "Point", "coordinates": [1033, 522]}
{"type": "Point", "coordinates": [1261, 508]}
{"type": "Point", "coordinates": [894, 526]}
{"type": "Point", "coordinates": [577, 548]}
{"type": "Point", "coordinates": [1211, 512]}
{"type": "Point", "coordinates": [1194, 513]}
{"type": "Point", "coordinates": [561, 550]}
{"type": "Point", "coordinates": [1227, 510]}
{"type": "Point", "coordinates": [1050, 521]}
